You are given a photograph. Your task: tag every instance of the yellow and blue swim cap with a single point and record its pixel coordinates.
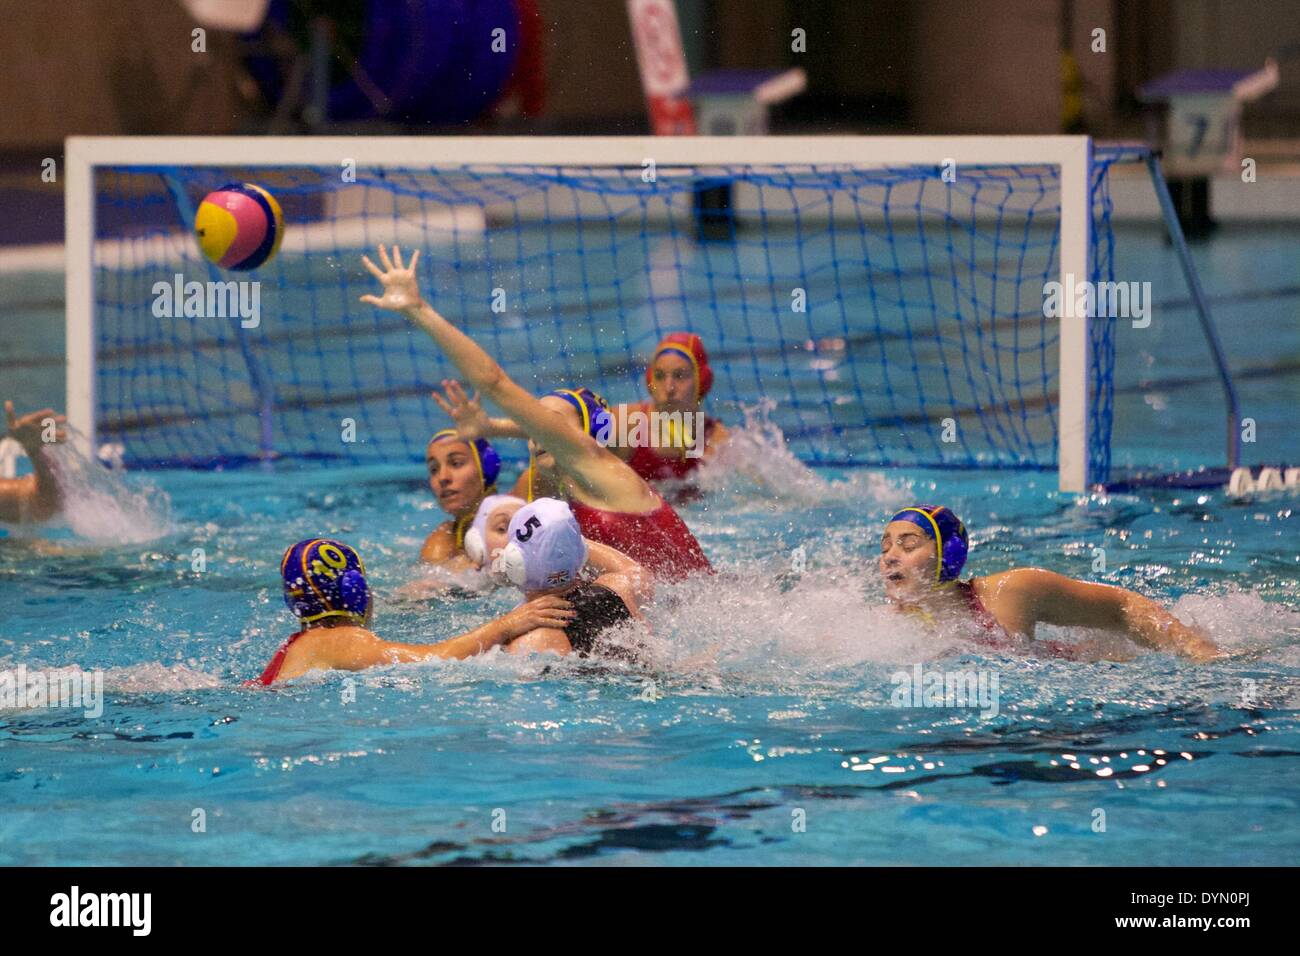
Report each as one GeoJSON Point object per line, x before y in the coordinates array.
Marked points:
{"type": "Point", "coordinates": [948, 533]}
{"type": "Point", "coordinates": [324, 578]}
{"type": "Point", "coordinates": [485, 456]}
{"type": "Point", "coordinates": [596, 420]}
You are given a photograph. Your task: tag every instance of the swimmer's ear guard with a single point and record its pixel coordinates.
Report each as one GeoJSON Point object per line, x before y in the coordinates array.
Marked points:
{"type": "Point", "coordinates": [475, 547]}
{"type": "Point", "coordinates": [946, 531]}
{"type": "Point", "coordinates": [324, 578]}
{"type": "Point", "coordinates": [511, 565]}
{"type": "Point", "coordinates": [475, 537]}
{"type": "Point", "coordinates": [546, 548]}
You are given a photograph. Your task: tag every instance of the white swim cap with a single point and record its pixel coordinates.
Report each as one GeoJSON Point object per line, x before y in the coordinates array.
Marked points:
{"type": "Point", "coordinates": [476, 536]}
{"type": "Point", "coordinates": [546, 548]}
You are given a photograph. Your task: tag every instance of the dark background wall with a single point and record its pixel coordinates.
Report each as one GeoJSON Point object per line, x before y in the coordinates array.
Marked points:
{"type": "Point", "coordinates": [977, 66]}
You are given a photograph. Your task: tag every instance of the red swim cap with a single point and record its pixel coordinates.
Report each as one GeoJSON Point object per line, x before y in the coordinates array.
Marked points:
{"type": "Point", "coordinates": [690, 346]}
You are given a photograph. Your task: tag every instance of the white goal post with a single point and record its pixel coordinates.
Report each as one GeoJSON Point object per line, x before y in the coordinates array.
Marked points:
{"type": "Point", "coordinates": [1071, 155]}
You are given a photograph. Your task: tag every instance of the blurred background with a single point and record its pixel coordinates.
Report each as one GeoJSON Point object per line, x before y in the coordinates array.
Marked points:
{"type": "Point", "coordinates": [1109, 68]}
{"type": "Point", "coordinates": [979, 66]}
{"type": "Point", "coordinates": [136, 67]}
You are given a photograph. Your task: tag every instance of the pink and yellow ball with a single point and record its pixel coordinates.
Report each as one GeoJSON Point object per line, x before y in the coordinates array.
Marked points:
{"type": "Point", "coordinates": [239, 226]}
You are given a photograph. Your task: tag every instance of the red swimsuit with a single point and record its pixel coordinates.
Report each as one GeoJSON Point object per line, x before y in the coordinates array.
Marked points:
{"type": "Point", "coordinates": [273, 669]}
{"type": "Point", "coordinates": [655, 467]}
{"type": "Point", "coordinates": [658, 540]}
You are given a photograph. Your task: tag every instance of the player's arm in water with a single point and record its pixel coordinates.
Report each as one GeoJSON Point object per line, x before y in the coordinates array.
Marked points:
{"type": "Point", "coordinates": [1026, 597]}
{"type": "Point", "coordinates": [599, 478]}
{"type": "Point", "coordinates": [355, 648]}
{"type": "Point", "coordinates": [33, 497]}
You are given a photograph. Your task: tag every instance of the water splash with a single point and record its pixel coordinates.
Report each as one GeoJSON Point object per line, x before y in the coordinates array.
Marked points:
{"type": "Point", "coordinates": [756, 458]}
{"type": "Point", "coordinates": [433, 582]}
{"type": "Point", "coordinates": [158, 677]}
{"type": "Point", "coordinates": [100, 506]}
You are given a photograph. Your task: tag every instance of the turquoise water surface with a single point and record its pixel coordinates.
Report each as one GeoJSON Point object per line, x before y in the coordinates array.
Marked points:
{"type": "Point", "coordinates": [769, 691]}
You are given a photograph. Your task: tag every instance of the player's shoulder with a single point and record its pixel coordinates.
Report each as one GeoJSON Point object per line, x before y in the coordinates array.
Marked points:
{"type": "Point", "coordinates": [540, 640]}
{"type": "Point", "coordinates": [441, 542]}
{"type": "Point", "coordinates": [621, 585]}
{"type": "Point", "coordinates": [1015, 580]}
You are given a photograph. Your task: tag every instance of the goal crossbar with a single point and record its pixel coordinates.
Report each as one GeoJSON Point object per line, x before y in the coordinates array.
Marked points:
{"type": "Point", "coordinates": [1071, 156]}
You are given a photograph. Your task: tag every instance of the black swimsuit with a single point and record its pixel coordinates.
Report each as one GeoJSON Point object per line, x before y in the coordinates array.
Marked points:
{"type": "Point", "coordinates": [598, 609]}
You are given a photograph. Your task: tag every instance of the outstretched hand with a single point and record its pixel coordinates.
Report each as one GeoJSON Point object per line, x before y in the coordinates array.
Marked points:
{"type": "Point", "coordinates": [466, 413]}
{"type": "Point", "coordinates": [30, 430]}
{"type": "Point", "coordinates": [401, 289]}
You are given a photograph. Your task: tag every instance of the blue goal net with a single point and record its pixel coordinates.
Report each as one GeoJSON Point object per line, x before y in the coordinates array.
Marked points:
{"type": "Point", "coordinates": [881, 317]}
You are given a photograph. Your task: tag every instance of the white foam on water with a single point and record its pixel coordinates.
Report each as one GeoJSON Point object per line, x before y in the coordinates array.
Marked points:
{"type": "Point", "coordinates": [100, 506]}
{"type": "Point", "coordinates": [756, 458]}
{"type": "Point", "coordinates": [152, 677]}
{"type": "Point", "coordinates": [431, 581]}
{"type": "Point", "coordinates": [768, 624]}
{"type": "Point", "coordinates": [155, 676]}
{"type": "Point", "coordinates": [1243, 623]}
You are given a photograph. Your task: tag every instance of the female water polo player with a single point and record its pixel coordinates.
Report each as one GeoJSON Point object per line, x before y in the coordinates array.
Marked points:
{"type": "Point", "coordinates": [611, 502]}
{"type": "Point", "coordinates": [924, 548]}
{"type": "Point", "coordinates": [33, 497]}
{"type": "Point", "coordinates": [664, 443]}
{"type": "Point", "coordinates": [545, 555]}
{"type": "Point", "coordinates": [487, 532]}
{"type": "Point", "coordinates": [678, 378]}
{"type": "Point", "coordinates": [487, 537]}
{"type": "Point", "coordinates": [325, 586]}
{"type": "Point", "coordinates": [461, 474]}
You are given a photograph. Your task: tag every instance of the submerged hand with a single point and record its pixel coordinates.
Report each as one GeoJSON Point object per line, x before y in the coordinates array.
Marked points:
{"type": "Point", "coordinates": [401, 290]}
{"type": "Point", "coordinates": [1202, 649]}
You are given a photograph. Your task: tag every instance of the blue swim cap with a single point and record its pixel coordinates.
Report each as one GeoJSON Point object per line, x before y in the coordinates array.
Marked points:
{"type": "Point", "coordinates": [946, 531]}
{"type": "Point", "coordinates": [485, 456]}
{"type": "Point", "coordinates": [545, 547]}
{"type": "Point", "coordinates": [324, 578]}
{"type": "Point", "coordinates": [593, 409]}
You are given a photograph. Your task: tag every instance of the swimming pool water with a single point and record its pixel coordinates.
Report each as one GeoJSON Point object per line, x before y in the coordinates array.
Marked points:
{"type": "Point", "coordinates": [747, 739]}
{"type": "Point", "coordinates": [768, 693]}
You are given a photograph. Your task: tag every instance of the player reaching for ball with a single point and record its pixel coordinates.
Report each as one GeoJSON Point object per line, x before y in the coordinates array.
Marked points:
{"type": "Point", "coordinates": [611, 502]}
{"type": "Point", "coordinates": [677, 378]}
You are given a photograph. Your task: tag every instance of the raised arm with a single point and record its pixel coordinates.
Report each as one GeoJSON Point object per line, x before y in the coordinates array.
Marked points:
{"type": "Point", "coordinates": [1050, 598]}
{"type": "Point", "coordinates": [549, 429]}
{"type": "Point", "coordinates": [470, 419]}
{"type": "Point", "coordinates": [33, 497]}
